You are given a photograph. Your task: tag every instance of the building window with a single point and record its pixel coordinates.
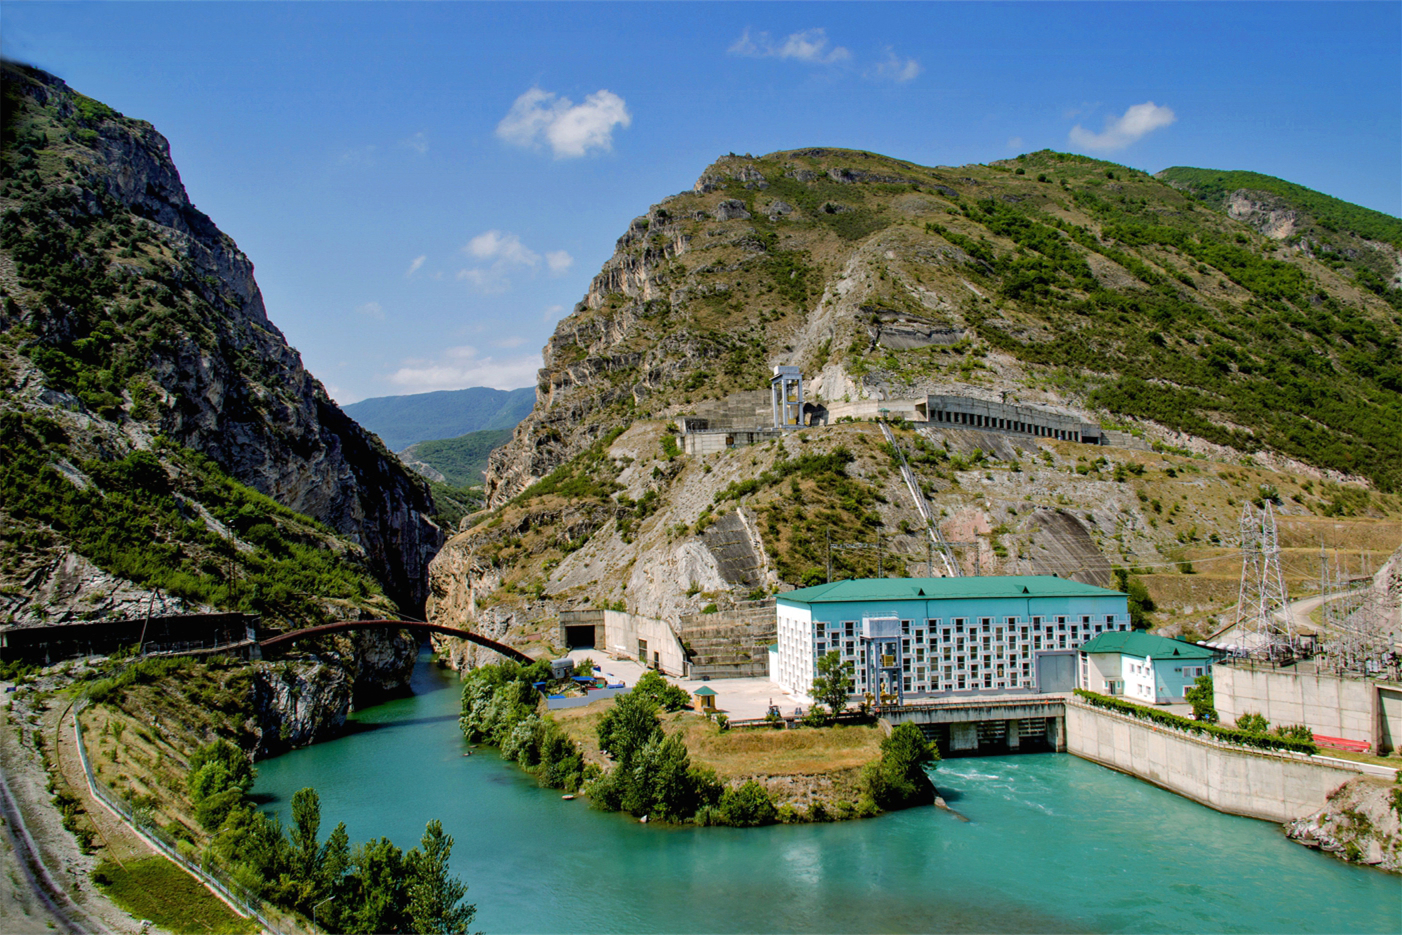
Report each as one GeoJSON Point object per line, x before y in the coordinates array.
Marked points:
{"type": "Point", "coordinates": [986, 621]}
{"type": "Point", "coordinates": [1036, 623]}
{"type": "Point", "coordinates": [958, 624]}
{"type": "Point", "coordinates": [905, 626]}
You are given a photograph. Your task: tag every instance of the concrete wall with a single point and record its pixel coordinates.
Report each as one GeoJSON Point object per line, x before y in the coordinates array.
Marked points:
{"type": "Point", "coordinates": [863, 409]}
{"type": "Point", "coordinates": [1009, 418]}
{"type": "Point", "coordinates": [664, 651]}
{"type": "Point", "coordinates": [1329, 705]}
{"type": "Point", "coordinates": [1257, 784]}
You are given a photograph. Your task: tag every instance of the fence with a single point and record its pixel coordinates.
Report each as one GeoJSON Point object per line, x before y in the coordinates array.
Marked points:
{"type": "Point", "coordinates": [139, 820]}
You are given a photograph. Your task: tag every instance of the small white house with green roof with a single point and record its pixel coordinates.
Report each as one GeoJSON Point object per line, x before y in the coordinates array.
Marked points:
{"type": "Point", "coordinates": [1141, 666]}
{"type": "Point", "coordinates": [901, 637]}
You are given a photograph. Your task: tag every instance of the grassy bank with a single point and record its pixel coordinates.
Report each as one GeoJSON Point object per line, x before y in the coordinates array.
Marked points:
{"type": "Point", "coordinates": [156, 889]}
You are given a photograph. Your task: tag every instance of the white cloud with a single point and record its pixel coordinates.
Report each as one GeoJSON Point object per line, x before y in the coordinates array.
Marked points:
{"type": "Point", "coordinates": [896, 68]}
{"type": "Point", "coordinates": [461, 367]}
{"type": "Point", "coordinates": [1119, 132]}
{"type": "Point", "coordinates": [552, 312]}
{"type": "Point", "coordinates": [418, 142]}
{"type": "Point", "coordinates": [1014, 143]}
{"type": "Point", "coordinates": [502, 247]}
{"type": "Point", "coordinates": [810, 46]}
{"type": "Point", "coordinates": [513, 341]}
{"type": "Point", "coordinates": [558, 261]}
{"type": "Point", "coordinates": [371, 310]}
{"type": "Point", "coordinates": [415, 265]}
{"type": "Point", "coordinates": [505, 254]}
{"type": "Point", "coordinates": [571, 129]}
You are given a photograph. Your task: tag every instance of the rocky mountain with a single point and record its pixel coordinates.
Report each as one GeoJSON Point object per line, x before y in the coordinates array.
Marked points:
{"type": "Point", "coordinates": [159, 432]}
{"type": "Point", "coordinates": [401, 421]}
{"type": "Point", "coordinates": [1057, 281]}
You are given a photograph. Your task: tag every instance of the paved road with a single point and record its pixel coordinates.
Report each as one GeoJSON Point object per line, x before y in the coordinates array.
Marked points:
{"type": "Point", "coordinates": [1298, 612]}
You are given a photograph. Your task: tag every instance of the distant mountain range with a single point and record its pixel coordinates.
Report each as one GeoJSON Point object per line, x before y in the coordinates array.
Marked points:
{"type": "Point", "coordinates": [401, 421]}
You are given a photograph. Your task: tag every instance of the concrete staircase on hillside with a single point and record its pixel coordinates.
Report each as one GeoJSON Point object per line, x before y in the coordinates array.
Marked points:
{"type": "Point", "coordinates": [733, 643]}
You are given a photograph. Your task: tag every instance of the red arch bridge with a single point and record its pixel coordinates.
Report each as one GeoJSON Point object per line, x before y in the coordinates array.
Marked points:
{"type": "Point", "coordinates": [344, 625]}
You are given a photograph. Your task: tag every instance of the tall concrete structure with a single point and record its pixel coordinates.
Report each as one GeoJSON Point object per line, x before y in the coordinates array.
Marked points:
{"type": "Point", "coordinates": [786, 390]}
{"type": "Point", "coordinates": [902, 637]}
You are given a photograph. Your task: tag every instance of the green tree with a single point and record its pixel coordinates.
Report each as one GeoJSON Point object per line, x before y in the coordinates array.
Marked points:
{"type": "Point", "coordinates": [1139, 601]}
{"type": "Point", "coordinates": [627, 727]}
{"type": "Point", "coordinates": [899, 779]}
{"type": "Point", "coordinates": [436, 898]}
{"type": "Point", "coordinates": [375, 890]}
{"type": "Point", "coordinates": [832, 686]}
{"type": "Point", "coordinates": [661, 692]}
{"type": "Point", "coordinates": [1201, 697]}
{"type": "Point", "coordinates": [306, 822]}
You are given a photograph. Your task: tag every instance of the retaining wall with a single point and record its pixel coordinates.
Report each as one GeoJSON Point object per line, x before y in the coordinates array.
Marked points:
{"type": "Point", "coordinates": [1275, 787]}
{"type": "Point", "coordinates": [1329, 705]}
{"type": "Point", "coordinates": [664, 651]}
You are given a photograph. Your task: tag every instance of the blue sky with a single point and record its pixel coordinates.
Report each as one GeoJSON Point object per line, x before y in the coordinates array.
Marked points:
{"type": "Point", "coordinates": [425, 189]}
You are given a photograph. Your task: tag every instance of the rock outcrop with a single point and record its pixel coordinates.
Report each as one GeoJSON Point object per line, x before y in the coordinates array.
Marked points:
{"type": "Point", "coordinates": [1361, 823]}
{"type": "Point", "coordinates": [162, 331]}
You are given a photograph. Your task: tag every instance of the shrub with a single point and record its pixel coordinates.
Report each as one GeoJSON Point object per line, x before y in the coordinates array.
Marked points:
{"type": "Point", "coordinates": [748, 806]}
{"type": "Point", "coordinates": [1252, 723]}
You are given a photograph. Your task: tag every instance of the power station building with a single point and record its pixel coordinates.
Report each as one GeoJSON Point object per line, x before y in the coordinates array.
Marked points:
{"type": "Point", "coordinates": [917, 637]}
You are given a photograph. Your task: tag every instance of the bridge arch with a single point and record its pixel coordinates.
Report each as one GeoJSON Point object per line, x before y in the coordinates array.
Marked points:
{"type": "Point", "coordinates": [342, 626]}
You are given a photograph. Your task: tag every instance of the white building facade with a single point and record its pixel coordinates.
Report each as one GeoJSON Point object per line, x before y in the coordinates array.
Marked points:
{"type": "Point", "coordinates": [917, 637]}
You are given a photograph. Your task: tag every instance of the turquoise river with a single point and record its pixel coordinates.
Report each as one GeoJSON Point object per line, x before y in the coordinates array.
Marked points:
{"type": "Point", "coordinates": [1053, 844]}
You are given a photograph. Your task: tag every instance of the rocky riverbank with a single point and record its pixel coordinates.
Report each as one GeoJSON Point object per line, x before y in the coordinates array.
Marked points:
{"type": "Point", "coordinates": [1361, 823]}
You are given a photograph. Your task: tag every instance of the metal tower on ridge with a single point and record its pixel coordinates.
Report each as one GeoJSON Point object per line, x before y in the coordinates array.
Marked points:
{"type": "Point", "coordinates": [1263, 622]}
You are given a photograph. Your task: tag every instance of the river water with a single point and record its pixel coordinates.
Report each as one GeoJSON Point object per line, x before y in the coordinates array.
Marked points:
{"type": "Point", "coordinates": [1053, 844]}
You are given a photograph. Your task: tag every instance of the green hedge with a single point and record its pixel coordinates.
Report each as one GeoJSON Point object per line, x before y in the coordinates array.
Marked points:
{"type": "Point", "coordinates": [1178, 722]}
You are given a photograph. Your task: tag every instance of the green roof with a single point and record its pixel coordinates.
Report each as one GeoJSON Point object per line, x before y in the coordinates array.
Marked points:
{"type": "Point", "coordinates": [934, 589]}
{"type": "Point", "coordinates": [704, 690]}
{"type": "Point", "coordinates": [1135, 643]}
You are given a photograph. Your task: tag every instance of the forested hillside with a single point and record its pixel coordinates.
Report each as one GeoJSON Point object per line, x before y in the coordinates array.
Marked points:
{"type": "Point", "coordinates": [401, 421]}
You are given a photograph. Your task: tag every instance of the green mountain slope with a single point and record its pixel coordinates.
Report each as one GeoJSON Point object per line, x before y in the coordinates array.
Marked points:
{"type": "Point", "coordinates": [1359, 242]}
{"type": "Point", "coordinates": [462, 460]}
{"type": "Point", "coordinates": [1332, 214]}
{"type": "Point", "coordinates": [401, 421]}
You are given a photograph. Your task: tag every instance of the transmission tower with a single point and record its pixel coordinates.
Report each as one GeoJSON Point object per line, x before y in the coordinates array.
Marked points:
{"type": "Point", "coordinates": [1263, 623]}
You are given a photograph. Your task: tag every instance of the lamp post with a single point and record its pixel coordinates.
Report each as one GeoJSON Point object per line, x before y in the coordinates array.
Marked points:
{"type": "Point", "coordinates": [318, 906]}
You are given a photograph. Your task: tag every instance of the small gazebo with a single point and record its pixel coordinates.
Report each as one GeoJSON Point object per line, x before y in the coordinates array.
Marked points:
{"type": "Point", "coordinates": [704, 699]}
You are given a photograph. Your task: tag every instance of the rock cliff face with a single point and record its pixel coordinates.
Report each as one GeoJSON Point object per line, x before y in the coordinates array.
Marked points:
{"type": "Point", "coordinates": [305, 700]}
{"type": "Point", "coordinates": [296, 704]}
{"type": "Point", "coordinates": [130, 308]}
